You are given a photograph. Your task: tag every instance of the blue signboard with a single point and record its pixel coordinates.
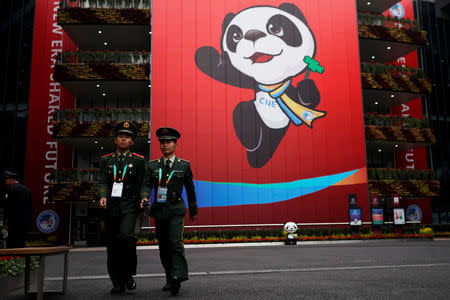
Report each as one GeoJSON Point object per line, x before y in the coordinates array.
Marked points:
{"type": "Point", "coordinates": [355, 217]}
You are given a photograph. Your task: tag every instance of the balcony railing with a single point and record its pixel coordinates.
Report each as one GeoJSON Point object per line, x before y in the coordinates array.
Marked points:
{"type": "Point", "coordinates": [73, 185]}
{"type": "Point", "coordinates": [72, 191]}
{"type": "Point", "coordinates": [93, 129]}
{"type": "Point", "coordinates": [405, 188]}
{"type": "Point", "coordinates": [400, 134]}
{"type": "Point", "coordinates": [116, 56]}
{"type": "Point", "coordinates": [390, 120]}
{"type": "Point", "coordinates": [400, 174]}
{"type": "Point", "coordinates": [404, 182]}
{"type": "Point", "coordinates": [394, 78]}
{"type": "Point", "coordinates": [390, 29]}
{"type": "Point", "coordinates": [96, 16]}
{"type": "Point", "coordinates": [387, 21]}
{"type": "Point", "coordinates": [99, 114]}
{"type": "Point", "coordinates": [105, 3]}
{"type": "Point", "coordinates": [102, 71]}
{"type": "Point", "coordinates": [74, 175]}
{"type": "Point", "coordinates": [98, 122]}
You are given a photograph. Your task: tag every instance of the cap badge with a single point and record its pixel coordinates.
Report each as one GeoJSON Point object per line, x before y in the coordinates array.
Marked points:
{"type": "Point", "coordinates": [126, 124]}
{"type": "Point", "coordinates": [165, 131]}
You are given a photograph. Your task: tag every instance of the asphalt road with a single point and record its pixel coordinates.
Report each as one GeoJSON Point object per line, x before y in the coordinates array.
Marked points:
{"type": "Point", "coordinates": [394, 269]}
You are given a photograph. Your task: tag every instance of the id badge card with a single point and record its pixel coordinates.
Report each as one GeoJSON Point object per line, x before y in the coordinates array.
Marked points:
{"type": "Point", "coordinates": [162, 195]}
{"type": "Point", "coordinates": [117, 189]}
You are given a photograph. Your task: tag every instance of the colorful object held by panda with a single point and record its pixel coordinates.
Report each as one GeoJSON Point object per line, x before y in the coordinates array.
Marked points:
{"type": "Point", "coordinates": [313, 65]}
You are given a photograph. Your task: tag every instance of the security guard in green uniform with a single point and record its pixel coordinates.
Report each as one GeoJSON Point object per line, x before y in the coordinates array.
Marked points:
{"type": "Point", "coordinates": [167, 176]}
{"type": "Point", "coordinates": [119, 183]}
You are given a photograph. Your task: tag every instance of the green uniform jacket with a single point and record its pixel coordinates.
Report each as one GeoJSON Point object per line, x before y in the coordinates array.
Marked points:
{"type": "Point", "coordinates": [132, 181]}
{"type": "Point", "coordinates": [182, 176]}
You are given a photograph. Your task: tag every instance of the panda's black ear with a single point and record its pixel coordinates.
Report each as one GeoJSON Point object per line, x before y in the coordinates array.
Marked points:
{"type": "Point", "coordinates": [226, 21]}
{"type": "Point", "coordinates": [293, 10]}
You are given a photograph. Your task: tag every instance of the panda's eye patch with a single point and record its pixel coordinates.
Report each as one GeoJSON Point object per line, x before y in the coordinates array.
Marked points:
{"type": "Point", "coordinates": [285, 29]}
{"type": "Point", "coordinates": [234, 35]}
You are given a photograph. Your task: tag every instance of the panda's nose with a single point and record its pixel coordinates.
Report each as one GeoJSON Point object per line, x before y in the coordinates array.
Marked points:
{"type": "Point", "coordinates": [253, 35]}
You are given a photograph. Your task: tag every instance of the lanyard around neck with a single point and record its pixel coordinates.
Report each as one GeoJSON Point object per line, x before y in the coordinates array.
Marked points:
{"type": "Point", "coordinates": [168, 179]}
{"type": "Point", "coordinates": [123, 174]}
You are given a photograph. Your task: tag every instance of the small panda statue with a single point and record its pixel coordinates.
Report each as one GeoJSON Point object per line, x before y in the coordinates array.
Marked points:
{"type": "Point", "coordinates": [263, 48]}
{"type": "Point", "coordinates": [289, 230]}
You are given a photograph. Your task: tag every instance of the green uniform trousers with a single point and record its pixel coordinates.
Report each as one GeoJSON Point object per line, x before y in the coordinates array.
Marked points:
{"type": "Point", "coordinates": [169, 232]}
{"type": "Point", "coordinates": [121, 247]}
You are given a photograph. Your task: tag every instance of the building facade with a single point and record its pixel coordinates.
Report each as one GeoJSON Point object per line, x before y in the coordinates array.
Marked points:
{"type": "Point", "coordinates": [98, 62]}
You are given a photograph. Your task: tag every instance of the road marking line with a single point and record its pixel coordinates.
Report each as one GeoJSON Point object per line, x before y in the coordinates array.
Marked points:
{"type": "Point", "coordinates": [264, 271]}
{"type": "Point", "coordinates": [228, 245]}
{"type": "Point", "coordinates": [252, 244]}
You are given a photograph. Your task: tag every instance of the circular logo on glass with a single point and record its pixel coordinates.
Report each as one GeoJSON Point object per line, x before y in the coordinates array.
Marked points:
{"type": "Point", "coordinates": [397, 11]}
{"type": "Point", "coordinates": [47, 221]}
{"type": "Point", "coordinates": [413, 213]}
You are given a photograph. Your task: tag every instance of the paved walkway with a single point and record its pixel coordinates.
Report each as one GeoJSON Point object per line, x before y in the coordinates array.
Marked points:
{"type": "Point", "coordinates": [376, 269]}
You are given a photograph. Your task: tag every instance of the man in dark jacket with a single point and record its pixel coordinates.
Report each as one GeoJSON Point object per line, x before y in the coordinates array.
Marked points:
{"type": "Point", "coordinates": [119, 183]}
{"type": "Point", "coordinates": [167, 176]}
{"type": "Point", "coordinates": [18, 210]}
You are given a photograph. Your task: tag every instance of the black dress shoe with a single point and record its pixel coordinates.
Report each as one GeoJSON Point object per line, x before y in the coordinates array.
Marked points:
{"type": "Point", "coordinates": [118, 289]}
{"type": "Point", "coordinates": [167, 287]}
{"type": "Point", "coordinates": [175, 287]}
{"type": "Point", "coordinates": [131, 284]}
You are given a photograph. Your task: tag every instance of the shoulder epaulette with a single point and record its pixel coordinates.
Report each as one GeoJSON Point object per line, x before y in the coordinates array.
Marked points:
{"type": "Point", "coordinates": [137, 155]}
{"type": "Point", "coordinates": [154, 160]}
{"type": "Point", "coordinates": [108, 154]}
{"type": "Point", "coordinates": [183, 160]}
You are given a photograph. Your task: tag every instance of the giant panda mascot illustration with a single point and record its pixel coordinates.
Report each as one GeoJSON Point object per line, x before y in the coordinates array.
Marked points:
{"type": "Point", "coordinates": [263, 48]}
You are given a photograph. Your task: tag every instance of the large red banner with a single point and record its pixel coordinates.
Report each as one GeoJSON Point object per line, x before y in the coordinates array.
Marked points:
{"type": "Point", "coordinates": [267, 97]}
{"type": "Point", "coordinates": [43, 152]}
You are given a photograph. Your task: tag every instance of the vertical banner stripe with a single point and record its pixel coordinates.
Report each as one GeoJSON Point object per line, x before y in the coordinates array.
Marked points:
{"type": "Point", "coordinates": [45, 100]}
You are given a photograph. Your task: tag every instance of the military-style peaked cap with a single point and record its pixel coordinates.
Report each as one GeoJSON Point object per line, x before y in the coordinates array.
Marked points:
{"type": "Point", "coordinates": [9, 174]}
{"type": "Point", "coordinates": [167, 133]}
{"type": "Point", "coordinates": [126, 127]}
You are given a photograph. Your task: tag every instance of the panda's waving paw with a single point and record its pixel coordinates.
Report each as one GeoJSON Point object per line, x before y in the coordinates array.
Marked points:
{"type": "Point", "coordinates": [218, 67]}
{"type": "Point", "coordinates": [208, 60]}
{"type": "Point", "coordinates": [308, 94]}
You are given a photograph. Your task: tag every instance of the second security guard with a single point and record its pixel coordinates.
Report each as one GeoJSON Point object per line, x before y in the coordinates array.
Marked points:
{"type": "Point", "coordinates": [119, 183]}
{"type": "Point", "coordinates": [167, 176]}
